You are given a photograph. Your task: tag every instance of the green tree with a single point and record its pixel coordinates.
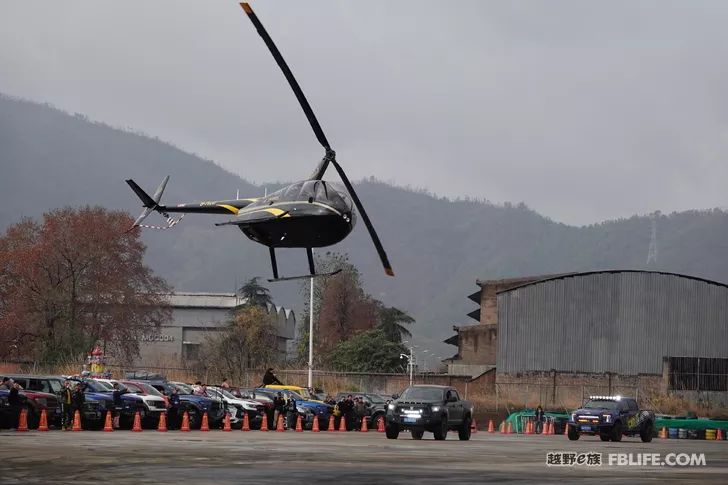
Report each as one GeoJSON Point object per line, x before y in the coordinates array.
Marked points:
{"type": "Point", "coordinates": [255, 294]}
{"type": "Point", "coordinates": [369, 351]}
{"type": "Point", "coordinates": [392, 322]}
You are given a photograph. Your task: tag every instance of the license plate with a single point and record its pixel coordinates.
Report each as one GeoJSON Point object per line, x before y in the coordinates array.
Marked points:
{"type": "Point", "coordinates": [410, 420]}
{"type": "Point", "coordinates": [586, 428]}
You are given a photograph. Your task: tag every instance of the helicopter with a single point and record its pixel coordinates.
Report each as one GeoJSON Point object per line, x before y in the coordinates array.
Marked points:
{"type": "Point", "coordinates": [308, 214]}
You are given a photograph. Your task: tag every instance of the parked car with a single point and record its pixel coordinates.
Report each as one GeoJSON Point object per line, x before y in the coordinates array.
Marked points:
{"type": "Point", "coordinates": [99, 399]}
{"type": "Point", "coordinates": [261, 398]}
{"type": "Point", "coordinates": [195, 406]}
{"type": "Point", "coordinates": [306, 408]}
{"type": "Point", "coordinates": [376, 405]}
{"type": "Point", "coordinates": [238, 407]}
{"type": "Point", "coordinates": [153, 400]}
{"type": "Point", "coordinates": [34, 402]}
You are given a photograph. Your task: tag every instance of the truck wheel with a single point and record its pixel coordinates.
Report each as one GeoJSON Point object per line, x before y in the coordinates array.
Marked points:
{"type": "Point", "coordinates": [464, 430]}
{"type": "Point", "coordinates": [573, 433]}
{"type": "Point", "coordinates": [646, 432]}
{"type": "Point", "coordinates": [616, 433]}
{"type": "Point", "coordinates": [392, 431]}
{"type": "Point", "coordinates": [441, 433]}
{"type": "Point", "coordinates": [417, 433]}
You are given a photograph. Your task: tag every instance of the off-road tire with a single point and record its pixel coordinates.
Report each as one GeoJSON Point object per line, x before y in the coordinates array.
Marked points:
{"type": "Point", "coordinates": [646, 432]}
{"type": "Point", "coordinates": [441, 433]}
{"type": "Point", "coordinates": [417, 433]}
{"type": "Point", "coordinates": [616, 432]}
{"type": "Point", "coordinates": [573, 433]}
{"type": "Point", "coordinates": [464, 429]}
{"type": "Point", "coordinates": [392, 431]}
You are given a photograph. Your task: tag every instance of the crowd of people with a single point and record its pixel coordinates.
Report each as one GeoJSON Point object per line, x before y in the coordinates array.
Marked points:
{"type": "Point", "coordinates": [353, 409]}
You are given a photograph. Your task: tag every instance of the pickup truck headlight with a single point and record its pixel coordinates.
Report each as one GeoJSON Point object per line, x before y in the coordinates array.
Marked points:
{"type": "Point", "coordinates": [390, 406]}
{"type": "Point", "coordinates": [435, 409]}
{"type": "Point", "coordinates": [607, 418]}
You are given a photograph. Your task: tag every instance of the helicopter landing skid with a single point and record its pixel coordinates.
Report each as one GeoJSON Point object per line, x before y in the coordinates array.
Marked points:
{"type": "Point", "coordinates": [303, 277]}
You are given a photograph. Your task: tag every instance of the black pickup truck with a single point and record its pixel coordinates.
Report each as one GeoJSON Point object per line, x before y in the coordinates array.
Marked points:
{"type": "Point", "coordinates": [436, 409]}
{"type": "Point", "coordinates": [611, 417]}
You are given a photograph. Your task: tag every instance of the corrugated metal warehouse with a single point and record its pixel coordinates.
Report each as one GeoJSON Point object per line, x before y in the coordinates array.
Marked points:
{"type": "Point", "coordinates": [624, 322]}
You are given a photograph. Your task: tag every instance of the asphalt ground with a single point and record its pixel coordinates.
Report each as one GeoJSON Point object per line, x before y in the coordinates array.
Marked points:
{"type": "Point", "coordinates": [220, 458]}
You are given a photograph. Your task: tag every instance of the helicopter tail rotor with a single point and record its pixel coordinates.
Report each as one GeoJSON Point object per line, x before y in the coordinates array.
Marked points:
{"type": "Point", "coordinates": [149, 203]}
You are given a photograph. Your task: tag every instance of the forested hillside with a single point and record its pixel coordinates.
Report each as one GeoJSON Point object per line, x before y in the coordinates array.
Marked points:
{"type": "Point", "coordinates": [438, 247]}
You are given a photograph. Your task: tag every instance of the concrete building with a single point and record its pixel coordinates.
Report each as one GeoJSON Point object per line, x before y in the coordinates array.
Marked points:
{"type": "Point", "coordinates": [478, 343]}
{"type": "Point", "coordinates": [197, 316]}
{"type": "Point", "coordinates": [648, 330]}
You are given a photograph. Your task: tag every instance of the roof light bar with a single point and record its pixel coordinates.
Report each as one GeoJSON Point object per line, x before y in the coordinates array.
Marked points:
{"type": "Point", "coordinates": [606, 398]}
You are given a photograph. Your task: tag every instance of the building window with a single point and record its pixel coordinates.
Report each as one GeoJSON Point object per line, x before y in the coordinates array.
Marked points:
{"type": "Point", "coordinates": [698, 374]}
{"type": "Point", "coordinates": [190, 351]}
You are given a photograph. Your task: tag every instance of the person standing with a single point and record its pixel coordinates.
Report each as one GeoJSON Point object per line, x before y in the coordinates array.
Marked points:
{"type": "Point", "coordinates": [66, 399]}
{"type": "Point", "coordinates": [279, 408]}
{"type": "Point", "coordinates": [225, 385]}
{"type": "Point", "coordinates": [173, 413]}
{"type": "Point", "coordinates": [118, 402]}
{"type": "Point", "coordinates": [78, 399]}
{"type": "Point", "coordinates": [14, 403]}
{"type": "Point", "coordinates": [539, 415]}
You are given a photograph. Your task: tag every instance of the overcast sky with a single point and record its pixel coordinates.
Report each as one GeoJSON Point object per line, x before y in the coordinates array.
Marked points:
{"type": "Point", "coordinates": [583, 110]}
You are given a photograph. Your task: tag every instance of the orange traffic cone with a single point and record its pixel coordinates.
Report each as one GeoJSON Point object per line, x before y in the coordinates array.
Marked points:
{"type": "Point", "coordinates": [299, 425]}
{"type": "Point", "coordinates": [491, 426]}
{"type": "Point", "coordinates": [279, 426]}
{"type": "Point", "coordinates": [246, 422]}
{"type": "Point", "coordinates": [205, 424]}
{"type": "Point", "coordinates": [108, 427]}
{"type": "Point", "coordinates": [22, 421]}
{"type": "Point", "coordinates": [137, 428]}
{"type": "Point", "coordinates": [264, 423]}
{"type": "Point", "coordinates": [719, 434]}
{"type": "Point", "coordinates": [566, 429]}
{"type": "Point", "coordinates": [162, 426]}
{"type": "Point", "coordinates": [185, 422]}
{"type": "Point", "coordinates": [315, 427]}
{"type": "Point", "coordinates": [76, 421]}
{"type": "Point", "coordinates": [332, 424]}
{"type": "Point", "coordinates": [473, 427]}
{"type": "Point", "coordinates": [509, 428]}
{"type": "Point", "coordinates": [364, 427]}
{"type": "Point", "coordinates": [380, 424]}
{"type": "Point", "coordinates": [663, 433]}
{"type": "Point", "coordinates": [43, 425]}
{"type": "Point", "coordinates": [502, 427]}
{"type": "Point", "coordinates": [342, 424]}
{"type": "Point", "coordinates": [549, 427]}
{"type": "Point", "coordinates": [226, 423]}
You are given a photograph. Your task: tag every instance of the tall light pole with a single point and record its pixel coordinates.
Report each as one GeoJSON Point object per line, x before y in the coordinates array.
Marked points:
{"type": "Point", "coordinates": [310, 337]}
{"type": "Point", "coordinates": [410, 361]}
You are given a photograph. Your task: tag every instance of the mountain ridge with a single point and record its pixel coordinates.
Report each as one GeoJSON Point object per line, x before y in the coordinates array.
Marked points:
{"type": "Point", "coordinates": [438, 246]}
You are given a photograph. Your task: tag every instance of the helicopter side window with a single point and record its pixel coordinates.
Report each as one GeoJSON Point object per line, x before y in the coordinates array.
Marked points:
{"type": "Point", "coordinates": [293, 192]}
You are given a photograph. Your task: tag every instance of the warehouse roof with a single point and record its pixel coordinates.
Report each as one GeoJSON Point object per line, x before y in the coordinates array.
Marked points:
{"type": "Point", "coordinates": [613, 271]}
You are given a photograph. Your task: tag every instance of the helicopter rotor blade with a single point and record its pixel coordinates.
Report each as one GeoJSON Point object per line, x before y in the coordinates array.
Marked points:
{"type": "Point", "coordinates": [372, 233]}
{"type": "Point", "coordinates": [292, 82]}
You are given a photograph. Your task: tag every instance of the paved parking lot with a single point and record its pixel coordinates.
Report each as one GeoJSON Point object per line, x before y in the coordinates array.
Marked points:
{"type": "Point", "coordinates": [221, 458]}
